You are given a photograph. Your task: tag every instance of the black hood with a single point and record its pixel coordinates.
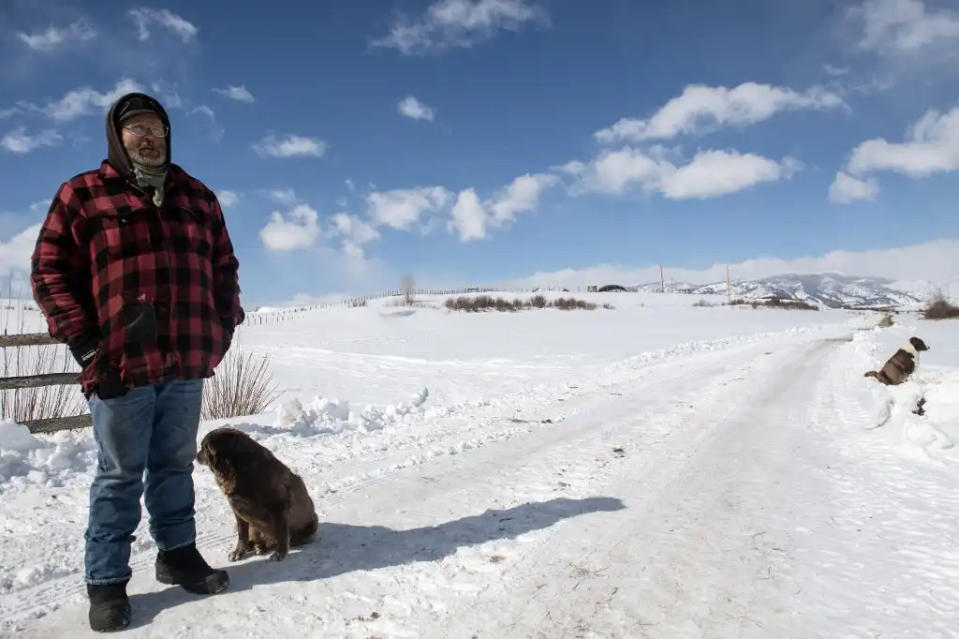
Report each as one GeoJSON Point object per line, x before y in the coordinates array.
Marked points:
{"type": "Point", "coordinates": [116, 154]}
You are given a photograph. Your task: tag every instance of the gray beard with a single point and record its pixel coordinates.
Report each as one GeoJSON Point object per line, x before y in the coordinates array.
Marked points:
{"type": "Point", "coordinates": [137, 158]}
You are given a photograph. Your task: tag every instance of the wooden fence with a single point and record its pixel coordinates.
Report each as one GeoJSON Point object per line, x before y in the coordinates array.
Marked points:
{"type": "Point", "coordinates": [52, 424]}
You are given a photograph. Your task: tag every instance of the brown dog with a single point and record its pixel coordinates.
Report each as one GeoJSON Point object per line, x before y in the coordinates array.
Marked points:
{"type": "Point", "coordinates": [272, 507]}
{"type": "Point", "coordinates": [902, 364]}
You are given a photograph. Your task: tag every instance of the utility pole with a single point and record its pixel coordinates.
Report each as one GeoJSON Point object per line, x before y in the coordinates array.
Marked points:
{"type": "Point", "coordinates": [661, 278]}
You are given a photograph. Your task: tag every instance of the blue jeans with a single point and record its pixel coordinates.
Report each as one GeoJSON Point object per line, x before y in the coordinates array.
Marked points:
{"type": "Point", "coordinates": [152, 429]}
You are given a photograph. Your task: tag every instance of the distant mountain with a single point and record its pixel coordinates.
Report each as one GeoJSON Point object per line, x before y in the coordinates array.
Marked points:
{"type": "Point", "coordinates": [824, 289]}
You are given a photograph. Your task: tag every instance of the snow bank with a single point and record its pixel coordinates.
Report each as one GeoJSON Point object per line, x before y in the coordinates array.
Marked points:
{"type": "Point", "coordinates": [328, 416]}
{"type": "Point", "coordinates": [893, 408]}
{"type": "Point", "coordinates": [42, 461]}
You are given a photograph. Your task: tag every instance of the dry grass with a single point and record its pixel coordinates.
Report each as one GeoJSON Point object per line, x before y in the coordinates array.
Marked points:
{"type": "Point", "coordinates": [487, 303]}
{"type": "Point", "coordinates": [243, 385]}
{"type": "Point", "coordinates": [775, 302]}
{"type": "Point", "coordinates": [939, 309]}
{"type": "Point", "coordinates": [28, 404]}
{"type": "Point", "coordinates": [47, 402]}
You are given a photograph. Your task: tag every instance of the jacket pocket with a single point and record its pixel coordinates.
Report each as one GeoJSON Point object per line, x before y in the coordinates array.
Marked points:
{"type": "Point", "coordinates": [139, 323]}
{"type": "Point", "coordinates": [122, 235]}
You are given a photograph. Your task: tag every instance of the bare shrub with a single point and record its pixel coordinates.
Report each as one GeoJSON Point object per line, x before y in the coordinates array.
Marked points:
{"type": "Point", "coordinates": [358, 303]}
{"type": "Point", "coordinates": [939, 308]}
{"type": "Point", "coordinates": [408, 288]}
{"type": "Point", "coordinates": [775, 302]}
{"type": "Point", "coordinates": [703, 304]}
{"type": "Point", "coordinates": [242, 386]}
{"type": "Point", "coordinates": [485, 303]}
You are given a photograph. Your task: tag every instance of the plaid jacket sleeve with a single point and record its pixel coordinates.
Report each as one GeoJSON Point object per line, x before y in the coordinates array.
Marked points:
{"type": "Point", "coordinates": [226, 283]}
{"type": "Point", "coordinates": [60, 271]}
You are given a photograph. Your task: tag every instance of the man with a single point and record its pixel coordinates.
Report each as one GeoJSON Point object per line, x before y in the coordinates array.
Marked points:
{"type": "Point", "coordinates": [135, 271]}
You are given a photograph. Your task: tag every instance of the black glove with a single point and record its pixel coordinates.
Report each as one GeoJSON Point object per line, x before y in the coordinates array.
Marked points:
{"type": "Point", "coordinates": [108, 386]}
{"type": "Point", "coordinates": [84, 349]}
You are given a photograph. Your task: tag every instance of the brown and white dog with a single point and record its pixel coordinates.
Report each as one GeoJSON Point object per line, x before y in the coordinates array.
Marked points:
{"type": "Point", "coordinates": [902, 364]}
{"type": "Point", "coordinates": [272, 507]}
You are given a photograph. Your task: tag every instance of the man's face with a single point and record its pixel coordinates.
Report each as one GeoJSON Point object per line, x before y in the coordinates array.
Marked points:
{"type": "Point", "coordinates": [149, 150]}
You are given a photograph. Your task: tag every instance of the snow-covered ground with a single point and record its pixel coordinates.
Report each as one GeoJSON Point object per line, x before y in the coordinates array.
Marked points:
{"type": "Point", "coordinates": [654, 470]}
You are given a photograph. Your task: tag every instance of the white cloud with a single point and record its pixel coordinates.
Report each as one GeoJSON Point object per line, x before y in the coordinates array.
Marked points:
{"type": "Point", "coordinates": [716, 173]}
{"type": "Point", "coordinates": [290, 146]}
{"type": "Point", "coordinates": [846, 188]}
{"type": "Point", "coordinates": [240, 93]}
{"type": "Point", "coordinates": [216, 129]}
{"type": "Point", "coordinates": [353, 232]}
{"type": "Point", "coordinates": [53, 37]}
{"type": "Point", "coordinates": [298, 230]}
{"type": "Point", "coordinates": [468, 217]}
{"type": "Point", "coordinates": [227, 198]}
{"type": "Point", "coordinates": [450, 24]}
{"type": "Point", "coordinates": [835, 71]}
{"type": "Point", "coordinates": [413, 108]}
{"type": "Point", "coordinates": [520, 196]}
{"type": "Point", "coordinates": [282, 196]}
{"type": "Point", "coordinates": [472, 218]}
{"type": "Point", "coordinates": [349, 185]}
{"type": "Point", "coordinates": [402, 208]}
{"type": "Point", "coordinates": [935, 261]}
{"type": "Point", "coordinates": [16, 252]}
{"type": "Point", "coordinates": [19, 141]}
{"type": "Point", "coordinates": [699, 107]}
{"type": "Point", "coordinates": [573, 168]}
{"type": "Point", "coordinates": [614, 171]}
{"type": "Point", "coordinates": [933, 147]}
{"type": "Point", "coordinates": [893, 27]}
{"type": "Point", "coordinates": [85, 101]}
{"type": "Point", "coordinates": [146, 18]}
{"type": "Point", "coordinates": [204, 110]}
{"type": "Point", "coordinates": [710, 173]}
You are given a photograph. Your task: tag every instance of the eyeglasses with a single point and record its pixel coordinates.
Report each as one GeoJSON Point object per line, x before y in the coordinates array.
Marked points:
{"type": "Point", "coordinates": [141, 130]}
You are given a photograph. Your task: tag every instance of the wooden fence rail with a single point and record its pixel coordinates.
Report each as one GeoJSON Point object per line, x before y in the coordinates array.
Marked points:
{"type": "Point", "coordinates": [51, 424]}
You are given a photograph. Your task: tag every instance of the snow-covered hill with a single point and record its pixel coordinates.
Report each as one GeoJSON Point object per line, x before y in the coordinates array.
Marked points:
{"type": "Point", "coordinates": [822, 289]}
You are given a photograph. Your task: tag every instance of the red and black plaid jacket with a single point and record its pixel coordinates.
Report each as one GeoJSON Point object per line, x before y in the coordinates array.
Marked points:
{"type": "Point", "coordinates": [156, 287]}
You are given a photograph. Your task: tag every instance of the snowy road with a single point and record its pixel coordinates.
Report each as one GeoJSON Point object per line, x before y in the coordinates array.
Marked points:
{"type": "Point", "coordinates": [710, 494]}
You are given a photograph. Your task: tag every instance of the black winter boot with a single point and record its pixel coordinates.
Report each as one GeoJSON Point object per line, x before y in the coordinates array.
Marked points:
{"type": "Point", "coordinates": [185, 567]}
{"type": "Point", "coordinates": [109, 607]}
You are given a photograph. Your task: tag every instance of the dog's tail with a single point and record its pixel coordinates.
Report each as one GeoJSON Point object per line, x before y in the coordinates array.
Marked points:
{"type": "Point", "coordinates": [306, 533]}
{"type": "Point", "coordinates": [872, 374]}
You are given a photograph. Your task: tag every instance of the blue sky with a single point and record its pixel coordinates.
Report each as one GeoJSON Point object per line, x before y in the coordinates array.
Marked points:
{"type": "Point", "coordinates": [477, 141]}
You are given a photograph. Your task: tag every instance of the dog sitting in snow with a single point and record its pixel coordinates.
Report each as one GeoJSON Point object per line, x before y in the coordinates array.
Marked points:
{"type": "Point", "coordinates": [272, 507]}
{"type": "Point", "coordinates": [902, 364]}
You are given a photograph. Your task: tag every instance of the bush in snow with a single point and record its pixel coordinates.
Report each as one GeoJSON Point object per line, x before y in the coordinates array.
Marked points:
{"type": "Point", "coordinates": [243, 385]}
{"type": "Point", "coordinates": [485, 302]}
{"type": "Point", "coordinates": [940, 308]}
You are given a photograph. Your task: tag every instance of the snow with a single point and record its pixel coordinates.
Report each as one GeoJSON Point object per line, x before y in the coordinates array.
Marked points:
{"type": "Point", "coordinates": [654, 470]}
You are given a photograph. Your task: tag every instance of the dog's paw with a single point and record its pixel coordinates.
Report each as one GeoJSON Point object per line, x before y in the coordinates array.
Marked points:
{"type": "Point", "coordinates": [259, 549]}
{"type": "Point", "coordinates": [277, 556]}
{"type": "Point", "coordinates": [238, 554]}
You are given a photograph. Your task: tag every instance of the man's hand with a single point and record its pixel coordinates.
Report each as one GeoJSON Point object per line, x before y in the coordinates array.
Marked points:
{"type": "Point", "coordinates": [84, 349]}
